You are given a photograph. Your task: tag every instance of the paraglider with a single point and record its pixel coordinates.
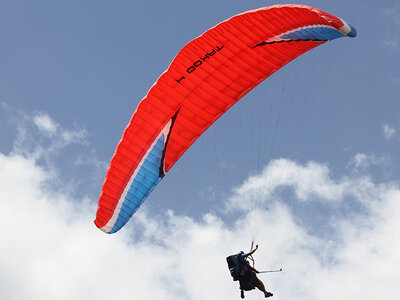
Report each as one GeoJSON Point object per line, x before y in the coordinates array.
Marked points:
{"type": "Point", "coordinates": [242, 271]}
{"type": "Point", "coordinates": [209, 75]}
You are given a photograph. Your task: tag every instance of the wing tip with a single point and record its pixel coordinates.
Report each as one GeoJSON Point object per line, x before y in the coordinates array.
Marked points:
{"type": "Point", "coordinates": [105, 229]}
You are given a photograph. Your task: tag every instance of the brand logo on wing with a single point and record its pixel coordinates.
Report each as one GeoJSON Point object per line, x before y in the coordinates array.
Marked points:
{"type": "Point", "coordinates": [200, 61]}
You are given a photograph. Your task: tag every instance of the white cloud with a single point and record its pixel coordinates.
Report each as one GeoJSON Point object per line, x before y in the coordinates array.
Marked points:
{"type": "Point", "coordinates": [359, 160]}
{"type": "Point", "coordinates": [45, 123]}
{"type": "Point", "coordinates": [39, 136]}
{"type": "Point", "coordinates": [388, 132]}
{"type": "Point", "coordinates": [362, 161]}
{"type": "Point", "coordinates": [308, 181]}
{"type": "Point", "coordinates": [51, 249]}
{"type": "Point", "coordinates": [369, 252]}
{"type": "Point", "coordinates": [60, 136]}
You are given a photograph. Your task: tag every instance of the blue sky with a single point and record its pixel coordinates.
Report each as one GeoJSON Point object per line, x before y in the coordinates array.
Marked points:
{"type": "Point", "coordinates": [306, 164]}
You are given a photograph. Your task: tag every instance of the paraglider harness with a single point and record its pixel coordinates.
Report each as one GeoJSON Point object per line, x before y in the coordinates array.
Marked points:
{"type": "Point", "coordinates": [234, 266]}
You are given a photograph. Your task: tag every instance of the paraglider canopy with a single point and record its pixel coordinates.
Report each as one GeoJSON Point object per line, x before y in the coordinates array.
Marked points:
{"type": "Point", "coordinates": [209, 75]}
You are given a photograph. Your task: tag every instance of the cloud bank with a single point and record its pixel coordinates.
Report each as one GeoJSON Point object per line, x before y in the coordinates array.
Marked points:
{"type": "Point", "coordinates": [51, 249]}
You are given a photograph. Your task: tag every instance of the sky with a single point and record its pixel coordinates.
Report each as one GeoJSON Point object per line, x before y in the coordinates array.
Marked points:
{"type": "Point", "coordinates": [305, 165]}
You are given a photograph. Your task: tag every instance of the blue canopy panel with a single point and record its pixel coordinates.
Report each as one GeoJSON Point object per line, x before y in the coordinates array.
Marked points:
{"type": "Point", "coordinates": [143, 182]}
{"type": "Point", "coordinates": [316, 33]}
{"type": "Point", "coordinates": [321, 33]}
